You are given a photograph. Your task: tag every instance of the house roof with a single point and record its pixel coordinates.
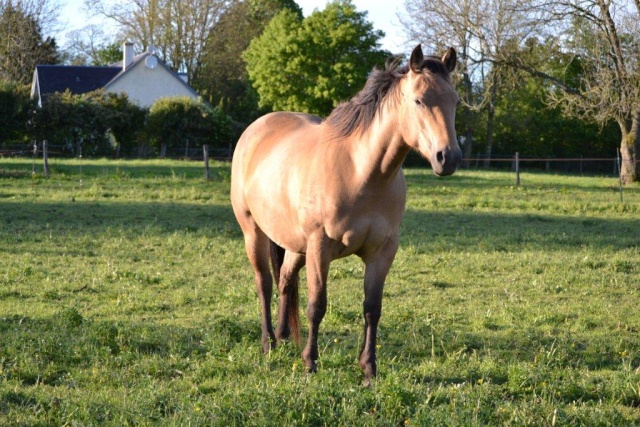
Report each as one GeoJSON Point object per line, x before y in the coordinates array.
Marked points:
{"type": "Point", "coordinates": [77, 79]}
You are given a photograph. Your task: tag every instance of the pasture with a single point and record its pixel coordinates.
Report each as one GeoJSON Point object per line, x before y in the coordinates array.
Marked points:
{"type": "Point", "coordinates": [126, 299]}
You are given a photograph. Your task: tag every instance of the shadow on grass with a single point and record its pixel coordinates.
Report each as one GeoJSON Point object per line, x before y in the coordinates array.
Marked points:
{"type": "Point", "coordinates": [477, 231]}
{"type": "Point", "coordinates": [114, 168]}
{"type": "Point", "coordinates": [473, 231]}
{"type": "Point", "coordinates": [543, 181]}
{"type": "Point", "coordinates": [27, 220]}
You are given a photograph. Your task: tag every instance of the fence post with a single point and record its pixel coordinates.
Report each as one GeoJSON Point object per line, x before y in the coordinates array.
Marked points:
{"type": "Point", "coordinates": [619, 172]}
{"type": "Point", "coordinates": [205, 151]}
{"type": "Point", "coordinates": [35, 155]}
{"type": "Point", "coordinates": [45, 158]}
{"type": "Point", "coordinates": [517, 169]}
{"type": "Point", "coordinates": [580, 164]}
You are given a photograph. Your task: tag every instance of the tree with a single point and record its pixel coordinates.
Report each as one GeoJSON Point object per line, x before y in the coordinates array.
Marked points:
{"type": "Point", "coordinates": [604, 37]}
{"type": "Point", "coordinates": [526, 123]}
{"type": "Point", "coordinates": [177, 28]}
{"type": "Point", "coordinates": [22, 45]}
{"type": "Point", "coordinates": [90, 46]}
{"type": "Point", "coordinates": [481, 30]}
{"type": "Point", "coordinates": [313, 64]}
{"type": "Point", "coordinates": [223, 79]}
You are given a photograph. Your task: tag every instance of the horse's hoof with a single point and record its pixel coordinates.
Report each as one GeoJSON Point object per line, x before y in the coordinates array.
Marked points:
{"type": "Point", "coordinates": [268, 346]}
{"type": "Point", "coordinates": [312, 368]}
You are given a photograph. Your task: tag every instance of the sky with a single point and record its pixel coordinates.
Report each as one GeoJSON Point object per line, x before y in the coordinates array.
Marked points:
{"type": "Point", "coordinates": [382, 13]}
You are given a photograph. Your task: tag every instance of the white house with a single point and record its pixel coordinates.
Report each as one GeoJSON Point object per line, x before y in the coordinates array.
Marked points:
{"type": "Point", "coordinates": [144, 78]}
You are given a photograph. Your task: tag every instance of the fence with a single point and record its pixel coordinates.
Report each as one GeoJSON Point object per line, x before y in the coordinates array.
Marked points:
{"type": "Point", "coordinates": [578, 165]}
{"type": "Point", "coordinates": [143, 152]}
{"type": "Point", "coordinates": [575, 165]}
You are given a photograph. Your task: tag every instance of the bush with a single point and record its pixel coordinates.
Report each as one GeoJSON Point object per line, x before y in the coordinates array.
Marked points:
{"type": "Point", "coordinates": [95, 123]}
{"type": "Point", "coordinates": [181, 122]}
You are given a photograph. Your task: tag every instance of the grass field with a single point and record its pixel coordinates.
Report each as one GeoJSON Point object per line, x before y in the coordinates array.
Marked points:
{"type": "Point", "coordinates": [126, 299]}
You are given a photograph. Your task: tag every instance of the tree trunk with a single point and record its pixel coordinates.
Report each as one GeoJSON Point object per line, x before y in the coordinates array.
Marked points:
{"type": "Point", "coordinates": [491, 118]}
{"type": "Point", "coordinates": [468, 118]}
{"type": "Point", "coordinates": [629, 147]}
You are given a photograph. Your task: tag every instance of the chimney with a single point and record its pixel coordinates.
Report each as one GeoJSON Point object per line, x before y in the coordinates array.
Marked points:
{"type": "Point", "coordinates": [127, 55]}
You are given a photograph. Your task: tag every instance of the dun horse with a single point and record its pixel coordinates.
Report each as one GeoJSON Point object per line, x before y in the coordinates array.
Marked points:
{"type": "Point", "coordinates": [307, 191]}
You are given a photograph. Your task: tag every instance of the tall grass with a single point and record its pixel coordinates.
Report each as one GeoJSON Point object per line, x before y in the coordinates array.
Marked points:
{"type": "Point", "coordinates": [126, 298]}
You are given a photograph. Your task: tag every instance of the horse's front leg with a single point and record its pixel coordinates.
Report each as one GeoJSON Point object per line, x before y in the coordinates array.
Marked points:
{"type": "Point", "coordinates": [376, 270]}
{"type": "Point", "coordinates": [317, 264]}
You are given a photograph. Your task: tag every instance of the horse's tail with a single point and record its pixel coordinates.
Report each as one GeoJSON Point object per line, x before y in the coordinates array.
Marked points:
{"type": "Point", "coordinates": [293, 317]}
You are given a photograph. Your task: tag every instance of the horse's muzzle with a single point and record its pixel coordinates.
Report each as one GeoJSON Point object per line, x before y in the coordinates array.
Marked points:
{"type": "Point", "coordinates": [446, 161]}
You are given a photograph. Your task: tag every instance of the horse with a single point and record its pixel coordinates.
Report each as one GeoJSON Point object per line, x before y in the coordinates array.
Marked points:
{"type": "Point", "coordinates": [306, 191]}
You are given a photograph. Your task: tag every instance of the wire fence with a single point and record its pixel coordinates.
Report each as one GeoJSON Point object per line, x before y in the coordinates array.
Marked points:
{"type": "Point", "coordinates": [142, 152]}
{"type": "Point", "coordinates": [573, 165]}
{"type": "Point", "coordinates": [579, 165]}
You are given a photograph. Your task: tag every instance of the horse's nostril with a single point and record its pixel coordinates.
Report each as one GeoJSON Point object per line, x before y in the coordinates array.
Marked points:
{"type": "Point", "coordinates": [440, 157]}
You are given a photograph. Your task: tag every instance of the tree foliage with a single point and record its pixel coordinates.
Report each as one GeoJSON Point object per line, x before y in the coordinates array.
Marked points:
{"type": "Point", "coordinates": [313, 64]}
{"type": "Point", "coordinates": [22, 44]}
{"type": "Point", "coordinates": [223, 79]}
{"type": "Point", "coordinates": [605, 38]}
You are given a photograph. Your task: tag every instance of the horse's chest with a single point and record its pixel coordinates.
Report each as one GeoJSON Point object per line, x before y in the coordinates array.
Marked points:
{"type": "Point", "coordinates": [360, 227]}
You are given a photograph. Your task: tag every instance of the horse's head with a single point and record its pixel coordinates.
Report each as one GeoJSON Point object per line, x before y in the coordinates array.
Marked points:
{"type": "Point", "coordinates": [428, 110]}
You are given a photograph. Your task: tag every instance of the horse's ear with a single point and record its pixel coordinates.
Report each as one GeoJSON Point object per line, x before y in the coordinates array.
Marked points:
{"type": "Point", "coordinates": [450, 59]}
{"type": "Point", "coordinates": [417, 58]}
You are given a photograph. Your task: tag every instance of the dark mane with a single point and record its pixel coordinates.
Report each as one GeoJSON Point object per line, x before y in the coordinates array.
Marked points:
{"type": "Point", "coordinates": [358, 113]}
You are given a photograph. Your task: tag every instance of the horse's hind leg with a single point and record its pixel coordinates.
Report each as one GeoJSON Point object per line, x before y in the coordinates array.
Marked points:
{"type": "Point", "coordinates": [257, 246]}
{"type": "Point", "coordinates": [288, 318]}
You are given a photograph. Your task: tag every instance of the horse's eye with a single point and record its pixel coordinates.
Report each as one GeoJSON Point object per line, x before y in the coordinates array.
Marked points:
{"type": "Point", "coordinates": [418, 102]}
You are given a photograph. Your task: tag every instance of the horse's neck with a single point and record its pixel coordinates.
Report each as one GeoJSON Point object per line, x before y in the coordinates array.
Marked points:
{"type": "Point", "coordinates": [379, 152]}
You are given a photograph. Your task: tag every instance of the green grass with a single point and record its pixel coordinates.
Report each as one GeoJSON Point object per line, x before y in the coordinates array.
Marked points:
{"type": "Point", "coordinates": [126, 299]}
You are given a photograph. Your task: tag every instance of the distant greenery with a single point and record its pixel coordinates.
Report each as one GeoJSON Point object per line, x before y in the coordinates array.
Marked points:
{"type": "Point", "coordinates": [22, 42]}
{"type": "Point", "coordinates": [95, 124]}
{"type": "Point", "coordinates": [312, 64]}
{"type": "Point", "coordinates": [181, 122]}
{"type": "Point", "coordinates": [223, 79]}
{"type": "Point", "coordinates": [15, 104]}
{"type": "Point", "coordinates": [104, 124]}
{"type": "Point", "coordinates": [126, 298]}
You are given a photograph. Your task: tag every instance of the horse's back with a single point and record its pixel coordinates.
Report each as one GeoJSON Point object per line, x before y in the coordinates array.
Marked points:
{"type": "Point", "coordinates": [276, 128]}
